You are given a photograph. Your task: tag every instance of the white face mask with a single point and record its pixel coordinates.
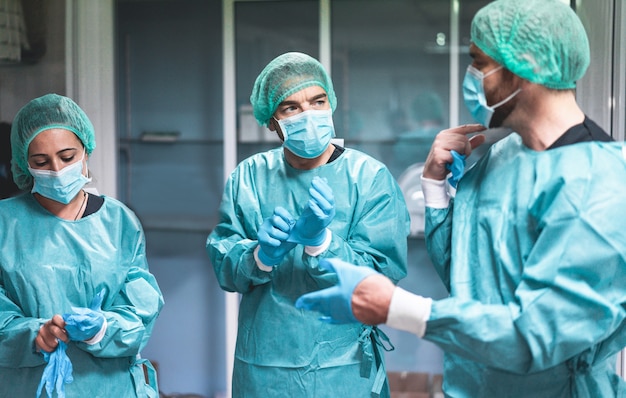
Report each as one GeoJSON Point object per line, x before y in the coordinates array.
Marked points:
{"type": "Point", "coordinates": [61, 186]}
{"type": "Point", "coordinates": [474, 95]}
{"type": "Point", "coordinates": [308, 133]}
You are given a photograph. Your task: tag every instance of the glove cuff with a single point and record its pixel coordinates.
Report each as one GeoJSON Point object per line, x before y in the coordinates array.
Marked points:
{"type": "Point", "coordinates": [262, 260]}
{"type": "Point", "coordinates": [99, 336]}
{"type": "Point", "coordinates": [315, 251]}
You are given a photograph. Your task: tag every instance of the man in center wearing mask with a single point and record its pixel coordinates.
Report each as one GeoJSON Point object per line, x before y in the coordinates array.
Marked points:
{"type": "Point", "coordinates": [282, 211]}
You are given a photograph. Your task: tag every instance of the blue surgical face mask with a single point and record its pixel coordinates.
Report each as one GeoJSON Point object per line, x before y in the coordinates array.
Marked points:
{"type": "Point", "coordinates": [474, 95]}
{"type": "Point", "coordinates": [308, 133]}
{"type": "Point", "coordinates": [62, 185]}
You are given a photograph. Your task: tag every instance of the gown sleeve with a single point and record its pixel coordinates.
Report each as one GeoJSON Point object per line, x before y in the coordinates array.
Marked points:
{"type": "Point", "coordinates": [230, 249]}
{"type": "Point", "coordinates": [132, 311]}
{"type": "Point", "coordinates": [438, 235]}
{"type": "Point", "coordinates": [17, 332]}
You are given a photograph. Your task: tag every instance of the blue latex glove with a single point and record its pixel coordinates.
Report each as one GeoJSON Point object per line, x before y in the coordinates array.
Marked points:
{"type": "Point", "coordinates": [273, 236]}
{"type": "Point", "coordinates": [457, 167]}
{"type": "Point", "coordinates": [336, 302]}
{"type": "Point", "coordinates": [84, 323]}
{"type": "Point", "coordinates": [310, 230]}
{"type": "Point", "coordinates": [57, 372]}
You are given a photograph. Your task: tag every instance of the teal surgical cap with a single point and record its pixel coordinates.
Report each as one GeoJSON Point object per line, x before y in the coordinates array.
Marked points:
{"type": "Point", "coordinates": [542, 41]}
{"type": "Point", "coordinates": [285, 75]}
{"type": "Point", "coordinates": [51, 111]}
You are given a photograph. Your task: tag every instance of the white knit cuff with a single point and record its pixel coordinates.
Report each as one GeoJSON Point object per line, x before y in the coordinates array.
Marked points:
{"type": "Point", "coordinates": [315, 251]}
{"type": "Point", "coordinates": [409, 312]}
{"type": "Point", "coordinates": [259, 263]}
{"type": "Point", "coordinates": [99, 336]}
{"type": "Point", "coordinates": [435, 193]}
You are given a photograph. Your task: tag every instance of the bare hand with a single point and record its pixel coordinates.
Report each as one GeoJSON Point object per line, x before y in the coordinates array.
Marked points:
{"type": "Point", "coordinates": [455, 139]}
{"type": "Point", "coordinates": [371, 299]}
{"type": "Point", "coordinates": [50, 333]}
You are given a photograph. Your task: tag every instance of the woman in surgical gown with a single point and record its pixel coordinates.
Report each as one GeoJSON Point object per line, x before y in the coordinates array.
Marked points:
{"type": "Point", "coordinates": [56, 256]}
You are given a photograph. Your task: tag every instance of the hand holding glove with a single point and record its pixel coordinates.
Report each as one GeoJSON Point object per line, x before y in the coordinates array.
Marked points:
{"type": "Point", "coordinates": [57, 372]}
{"type": "Point", "coordinates": [273, 235]}
{"type": "Point", "coordinates": [310, 230]}
{"type": "Point", "coordinates": [84, 323]}
{"type": "Point", "coordinates": [335, 302]}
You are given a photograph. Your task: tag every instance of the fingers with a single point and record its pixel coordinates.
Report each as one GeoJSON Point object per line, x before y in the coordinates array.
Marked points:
{"type": "Point", "coordinates": [327, 264]}
{"type": "Point", "coordinates": [50, 333]}
{"type": "Point", "coordinates": [456, 138]}
{"type": "Point", "coordinates": [282, 219]}
{"type": "Point", "coordinates": [477, 140]}
{"type": "Point", "coordinates": [321, 196]}
{"type": "Point", "coordinates": [276, 228]}
{"type": "Point", "coordinates": [320, 187]}
{"type": "Point", "coordinates": [309, 301]}
{"type": "Point", "coordinates": [453, 139]}
{"type": "Point", "coordinates": [466, 129]}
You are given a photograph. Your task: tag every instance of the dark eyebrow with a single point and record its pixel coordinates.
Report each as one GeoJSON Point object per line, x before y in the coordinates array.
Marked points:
{"type": "Point", "coordinates": [61, 152]}
{"type": "Point", "coordinates": [314, 98]}
{"type": "Point", "coordinates": [319, 96]}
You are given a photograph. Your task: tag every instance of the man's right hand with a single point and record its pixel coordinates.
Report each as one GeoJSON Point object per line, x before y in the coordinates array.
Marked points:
{"type": "Point", "coordinates": [456, 139]}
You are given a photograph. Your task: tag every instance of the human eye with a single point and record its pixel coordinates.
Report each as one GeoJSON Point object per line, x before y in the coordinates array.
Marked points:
{"type": "Point", "coordinates": [38, 161]}
{"type": "Point", "coordinates": [287, 110]}
{"type": "Point", "coordinates": [320, 103]}
{"type": "Point", "coordinates": [68, 158]}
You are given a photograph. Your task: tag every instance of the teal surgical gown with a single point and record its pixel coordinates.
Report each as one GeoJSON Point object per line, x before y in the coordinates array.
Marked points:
{"type": "Point", "coordinates": [282, 351]}
{"type": "Point", "coordinates": [49, 265]}
{"type": "Point", "coordinates": [533, 250]}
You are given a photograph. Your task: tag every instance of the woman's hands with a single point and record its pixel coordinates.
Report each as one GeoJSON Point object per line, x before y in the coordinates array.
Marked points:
{"type": "Point", "coordinates": [50, 333]}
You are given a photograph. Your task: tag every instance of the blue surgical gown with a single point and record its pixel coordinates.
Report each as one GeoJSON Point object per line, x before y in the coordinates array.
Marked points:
{"type": "Point", "coordinates": [533, 250]}
{"type": "Point", "coordinates": [282, 351]}
{"type": "Point", "coordinates": [49, 265]}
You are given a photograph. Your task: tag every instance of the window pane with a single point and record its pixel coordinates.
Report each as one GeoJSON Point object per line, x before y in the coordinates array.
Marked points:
{"type": "Point", "coordinates": [391, 70]}
{"type": "Point", "coordinates": [264, 30]}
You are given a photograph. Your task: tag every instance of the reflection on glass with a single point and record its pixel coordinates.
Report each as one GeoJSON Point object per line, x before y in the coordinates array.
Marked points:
{"type": "Point", "coordinates": [391, 68]}
{"type": "Point", "coordinates": [264, 30]}
{"type": "Point", "coordinates": [386, 56]}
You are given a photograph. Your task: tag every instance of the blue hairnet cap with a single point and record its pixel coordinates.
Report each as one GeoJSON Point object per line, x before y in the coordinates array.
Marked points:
{"type": "Point", "coordinates": [542, 41]}
{"type": "Point", "coordinates": [44, 113]}
{"type": "Point", "coordinates": [287, 74]}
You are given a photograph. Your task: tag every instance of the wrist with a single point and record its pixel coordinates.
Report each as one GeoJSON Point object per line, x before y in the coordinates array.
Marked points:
{"type": "Point", "coordinates": [262, 260]}
{"type": "Point", "coordinates": [315, 251]}
{"type": "Point", "coordinates": [409, 312]}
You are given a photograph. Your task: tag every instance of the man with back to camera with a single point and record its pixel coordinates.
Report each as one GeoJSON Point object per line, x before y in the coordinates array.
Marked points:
{"type": "Point", "coordinates": [282, 211]}
{"type": "Point", "coordinates": [533, 247]}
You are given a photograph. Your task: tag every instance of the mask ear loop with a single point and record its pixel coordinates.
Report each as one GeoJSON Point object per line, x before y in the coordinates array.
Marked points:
{"type": "Point", "coordinates": [491, 72]}
{"type": "Point", "coordinates": [507, 98]}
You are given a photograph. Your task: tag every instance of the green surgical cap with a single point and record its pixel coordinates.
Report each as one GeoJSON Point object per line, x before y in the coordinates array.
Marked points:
{"type": "Point", "coordinates": [44, 113]}
{"type": "Point", "coordinates": [283, 76]}
{"type": "Point", "coordinates": [542, 41]}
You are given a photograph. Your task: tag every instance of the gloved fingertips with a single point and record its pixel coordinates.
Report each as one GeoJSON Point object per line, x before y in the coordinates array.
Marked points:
{"type": "Point", "coordinates": [326, 264]}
